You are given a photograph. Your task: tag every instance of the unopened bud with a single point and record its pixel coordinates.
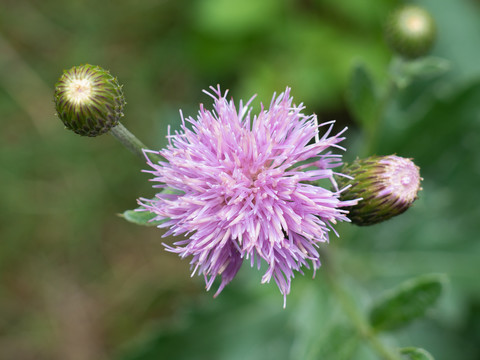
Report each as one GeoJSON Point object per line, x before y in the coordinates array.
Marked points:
{"type": "Point", "coordinates": [387, 186]}
{"type": "Point", "coordinates": [410, 31]}
{"type": "Point", "coordinates": [89, 100]}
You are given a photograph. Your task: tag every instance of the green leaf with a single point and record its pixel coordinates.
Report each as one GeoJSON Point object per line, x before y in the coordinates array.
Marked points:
{"type": "Point", "coordinates": [141, 217]}
{"type": "Point", "coordinates": [428, 66]}
{"type": "Point", "coordinates": [406, 302]}
{"type": "Point", "coordinates": [413, 353]}
{"type": "Point", "coordinates": [361, 96]}
{"type": "Point", "coordinates": [404, 72]}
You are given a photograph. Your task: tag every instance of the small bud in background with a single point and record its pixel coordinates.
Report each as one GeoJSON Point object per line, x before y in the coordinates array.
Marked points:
{"type": "Point", "coordinates": [89, 100]}
{"type": "Point", "coordinates": [388, 185]}
{"type": "Point", "coordinates": [410, 31]}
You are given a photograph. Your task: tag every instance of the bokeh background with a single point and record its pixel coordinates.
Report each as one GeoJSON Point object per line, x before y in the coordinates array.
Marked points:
{"type": "Point", "coordinates": [77, 282]}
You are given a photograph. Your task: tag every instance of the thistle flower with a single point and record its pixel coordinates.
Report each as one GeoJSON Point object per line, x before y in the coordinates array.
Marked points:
{"type": "Point", "coordinates": [89, 100]}
{"type": "Point", "coordinates": [243, 189]}
{"type": "Point", "coordinates": [388, 186]}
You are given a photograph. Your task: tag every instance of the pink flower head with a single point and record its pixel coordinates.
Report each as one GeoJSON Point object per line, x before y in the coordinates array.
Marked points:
{"type": "Point", "coordinates": [243, 189]}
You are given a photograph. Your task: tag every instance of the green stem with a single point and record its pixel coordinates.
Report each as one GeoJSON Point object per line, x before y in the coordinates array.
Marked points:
{"type": "Point", "coordinates": [357, 318]}
{"type": "Point", "coordinates": [384, 100]}
{"type": "Point", "coordinates": [131, 142]}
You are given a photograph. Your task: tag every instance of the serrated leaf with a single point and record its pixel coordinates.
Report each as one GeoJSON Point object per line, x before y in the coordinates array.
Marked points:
{"type": "Point", "coordinates": [413, 353]}
{"type": "Point", "coordinates": [361, 96]}
{"type": "Point", "coordinates": [141, 217]}
{"type": "Point", "coordinates": [406, 302]}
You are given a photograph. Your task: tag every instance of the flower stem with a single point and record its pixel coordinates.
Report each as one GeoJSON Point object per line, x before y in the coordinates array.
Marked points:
{"type": "Point", "coordinates": [131, 142]}
{"type": "Point", "coordinates": [355, 316]}
{"type": "Point", "coordinates": [384, 101]}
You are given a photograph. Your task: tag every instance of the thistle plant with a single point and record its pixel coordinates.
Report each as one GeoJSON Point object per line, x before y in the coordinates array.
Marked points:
{"type": "Point", "coordinates": [266, 188]}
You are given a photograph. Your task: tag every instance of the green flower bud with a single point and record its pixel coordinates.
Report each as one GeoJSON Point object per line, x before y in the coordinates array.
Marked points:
{"type": "Point", "coordinates": [410, 31]}
{"type": "Point", "coordinates": [387, 186]}
{"type": "Point", "coordinates": [89, 100]}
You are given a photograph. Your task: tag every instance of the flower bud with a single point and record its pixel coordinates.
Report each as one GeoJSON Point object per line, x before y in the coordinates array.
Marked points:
{"type": "Point", "coordinates": [410, 31]}
{"type": "Point", "coordinates": [89, 100]}
{"type": "Point", "coordinates": [387, 186]}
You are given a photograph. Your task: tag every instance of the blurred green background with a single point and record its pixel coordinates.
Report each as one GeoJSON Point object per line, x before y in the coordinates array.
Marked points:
{"type": "Point", "coordinates": [78, 282]}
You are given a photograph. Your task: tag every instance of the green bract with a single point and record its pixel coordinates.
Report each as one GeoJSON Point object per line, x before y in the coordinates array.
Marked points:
{"type": "Point", "coordinates": [386, 186]}
{"type": "Point", "coordinates": [410, 31]}
{"type": "Point", "coordinates": [89, 100]}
